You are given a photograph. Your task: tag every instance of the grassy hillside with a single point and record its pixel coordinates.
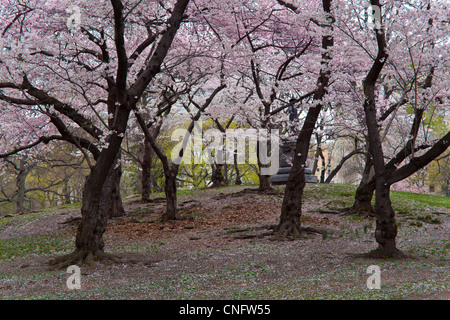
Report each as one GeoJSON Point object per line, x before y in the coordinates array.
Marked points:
{"type": "Point", "coordinates": [213, 254]}
{"type": "Point", "coordinates": [344, 194]}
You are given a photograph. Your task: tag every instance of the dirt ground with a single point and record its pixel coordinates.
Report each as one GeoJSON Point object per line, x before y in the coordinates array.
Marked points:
{"type": "Point", "coordinates": [224, 250]}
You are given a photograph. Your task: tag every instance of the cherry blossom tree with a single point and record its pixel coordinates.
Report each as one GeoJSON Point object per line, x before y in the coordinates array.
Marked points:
{"type": "Point", "coordinates": [390, 54]}
{"type": "Point", "coordinates": [289, 224]}
{"type": "Point", "coordinates": [171, 166]}
{"type": "Point", "coordinates": [412, 83]}
{"type": "Point", "coordinates": [85, 74]}
{"type": "Point", "coordinates": [82, 73]}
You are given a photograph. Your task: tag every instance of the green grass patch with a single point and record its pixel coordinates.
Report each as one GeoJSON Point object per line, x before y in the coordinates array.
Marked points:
{"type": "Point", "coordinates": [42, 244]}
{"type": "Point", "coordinates": [342, 195]}
{"type": "Point", "coordinates": [420, 199]}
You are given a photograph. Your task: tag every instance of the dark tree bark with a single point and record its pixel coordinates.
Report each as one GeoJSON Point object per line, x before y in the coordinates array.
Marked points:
{"type": "Point", "coordinates": [323, 169]}
{"type": "Point", "coordinates": [318, 153]}
{"type": "Point", "coordinates": [147, 158]}
{"type": "Point", "coordinates": [366, 189]}
{"type": "Point", "coordinates": [226, 179]}
{"type": "Point", "coordinates": [420, 162]}
{"type": "Point", "coordinates": [237, 180]}
{"type": "Point", "coordinates": [115, 198]}
{"type": "Point", "coordinates": [264, 183]}
{"type": "Point", "coordinates": [225, 165]}
{"type": "Point", "coordinates": [316, 160]}
{"type": "Point", "coordinates": [170, 190]}
{"type": "Point", "coordinates": [217, 177]}
{"type": "Point", "coordinates": [89, 244]}
{"type": "Point", "coordinates": [386, 226]}
{"type": "Point", "coordinates": [264, 180]}
{"type": "Point", "coordinates": [147, 162]}
{"type": "Point", "coordinates": [67, 191]}
{"type": "Point", "coordinates": [364, 193]}
{"type": "Point", "coordinates": [171, 168]}
{"type": "Point", "coordinates": [289, 224]}
{"type": "Point", "coordinates": [21, 186]}
{"type": "Point", "coordinates": [23, 169]}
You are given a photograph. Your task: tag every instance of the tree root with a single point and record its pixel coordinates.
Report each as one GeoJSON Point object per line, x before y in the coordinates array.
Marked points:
{"type": "Point", "coordinates": [170, 218]}
{"type": "Point", "coordinates": [80, 258]}
{"type": "Point", "coordinates": [380, 253]}
{"type": "Point", "coordinates": [246, 233]}
{"type": "Point", "coordinates": [336, 211]}
{"type": "Point", "coordinates": [286, 232]}
{"type": "Point", "coordinates": [178, 217]}
{"type": "Point", "coordinates": [269, 192]}
{"type": "Point", "coordinates": [289, 231]}
{"type": "Point", "coordinates": [252, 236]}
{"type": "Point", "coordinates": [366, 213]}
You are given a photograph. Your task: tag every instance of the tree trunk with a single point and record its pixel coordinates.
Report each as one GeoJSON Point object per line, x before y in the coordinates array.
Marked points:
{"type": "Point", "coordinates": [170, 190]}
{"type": "Point", "coordinates": [363, 199]}
{"type": "Point", "coordinates": [21, 185]}
{"type": "Point", "coordinates": [317, 153]}
{"type": "Point", "coordinates": [291, 208]}
{"type": "Point", "coordinates": [238, 180]}
{"type": "Point", "coordinates": [146, 171]}
{"type": "Point", "coordinates": [24, 169]}
{"type": "Point", "coordinates": [67, 191]}
{"type": "Point", "coordinates": [96, 208]}
{"type": "Point", "coordinates": [364, 193]}
{"type": "Point", "coordinates": [226, 180]}
{"type": "Point", "coordinates": [324, 167]}
{"type": "Point", "coordinates": [264, 180]}
{"type": "Point", "coordinates": [115, 204]}
{"type": "Point", "coordinates": [95, 212]}
{"type": "Point", "coordinates": [264, 183]}
{"type": "Point", "coordinates": [217, 177]}
{"type": "Point", "coordinates": [89, 245]}
{"type": "Point", "coordinates": [386, 227]}
{"type": "Point", "coordinates": [316, 161]}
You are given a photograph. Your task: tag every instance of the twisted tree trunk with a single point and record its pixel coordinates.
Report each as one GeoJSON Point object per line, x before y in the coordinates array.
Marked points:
{"type": "Point", "coordinates": [115, 205]}
{"type": "Point", "coordinates": [364, 194]}
{"type": "Point", "coordinates": [386, 227]}
{"type": "Point", "coordinates": [217, 176]}
{"type": "Point", "coordinates": [147, 158]}
{"type": "Point", "coordinates": [170, 190]}
{"type": "Point", "coordinates": [291, 209]}
{"type": "Point", "coordinates": [99, 188]}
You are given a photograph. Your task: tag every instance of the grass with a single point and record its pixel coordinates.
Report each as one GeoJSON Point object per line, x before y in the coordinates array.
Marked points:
{"type": "Point", "coordinates": [42, 244]}
{"type": "Point", "coordinates": [420, 199]}
{"type": "Point", "coordinates": [342, 195]}
{"type": "Point", "coordinates": [251, 279]}
{"type": "Point", "coordinates": [20, 220]}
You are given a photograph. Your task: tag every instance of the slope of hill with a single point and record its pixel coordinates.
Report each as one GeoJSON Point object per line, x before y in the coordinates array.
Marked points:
{"type": "Point", "coordinates": [224, 250]}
